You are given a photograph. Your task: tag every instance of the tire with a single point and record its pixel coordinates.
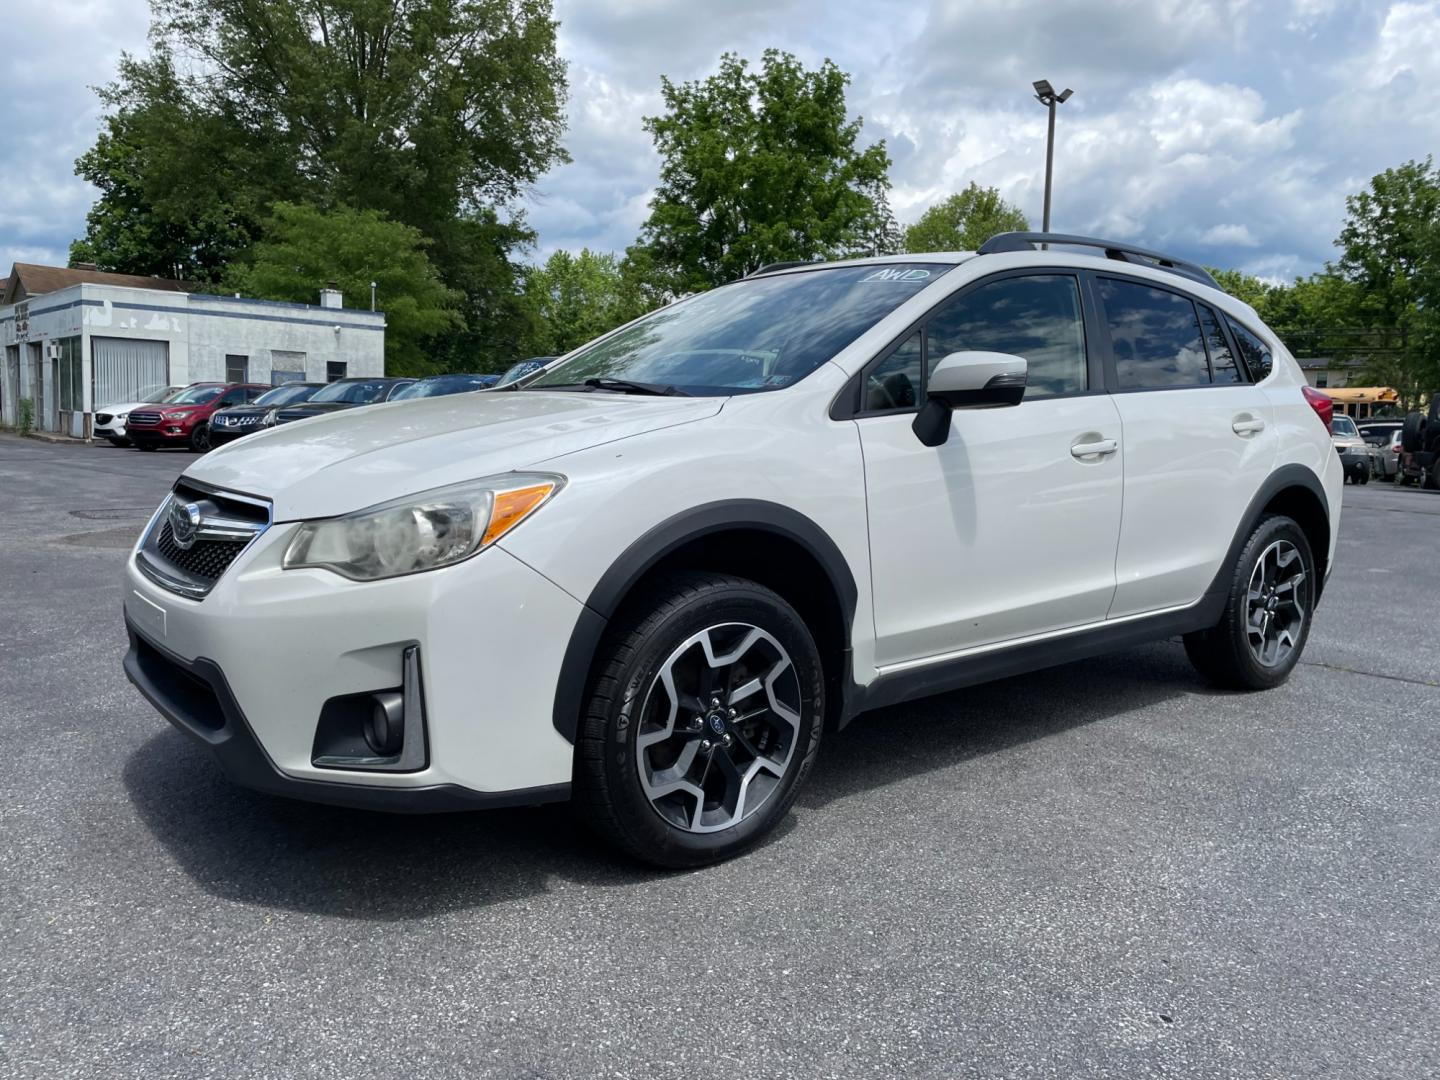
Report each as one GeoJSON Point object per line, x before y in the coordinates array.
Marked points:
{"type": "Point", "coordinates": [1364, 476]}
{"type": "Point", "coordinates": [200, 439]}
{"type": "Point", "coordinates": [118, 442]}
{"type": "Point", "coordinates": [1225, 654]}
{"type": "Point", "coordinates": [624, 757]}
{"type": "Point", "coordinates": [1413, 432]}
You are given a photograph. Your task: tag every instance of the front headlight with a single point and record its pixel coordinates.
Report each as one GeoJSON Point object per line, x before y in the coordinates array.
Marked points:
{"type": "Point", "coordinates": [421, 532]}
{"type": "Point", "coordinates": [269, 420]}
{"type": "Point", "coordinates": [178, 414]}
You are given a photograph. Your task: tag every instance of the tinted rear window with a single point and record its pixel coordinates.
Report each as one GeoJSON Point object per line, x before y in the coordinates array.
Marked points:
{"type": "Point", "coordinates": [1154, 335]}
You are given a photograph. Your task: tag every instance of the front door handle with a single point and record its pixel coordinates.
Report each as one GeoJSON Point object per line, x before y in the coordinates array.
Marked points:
{"type": "Point", "coordinates": [1097, 449]}
{"type": "Point", "coordinates": [1246, 424]}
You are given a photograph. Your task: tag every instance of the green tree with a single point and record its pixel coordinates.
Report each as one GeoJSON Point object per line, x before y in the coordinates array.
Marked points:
{"type": "Point", "coordinates": [964, 221]}
{"type": "Point", "coordinates": [759, 166]}
{"type": "Point", "coordinates": [580, 297]}
{"type": "Point", "coordinates": [437, 113]}
{"type": "Point", "coordinates": [182, 190]}
{"type": "Point", "coordinates": [1390, 246]}
{"type": "Point", "coordinates": [352, 248]}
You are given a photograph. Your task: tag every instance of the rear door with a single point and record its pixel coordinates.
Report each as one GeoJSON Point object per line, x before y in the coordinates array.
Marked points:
{"type": "Point", "coordinates": [1199, 440]}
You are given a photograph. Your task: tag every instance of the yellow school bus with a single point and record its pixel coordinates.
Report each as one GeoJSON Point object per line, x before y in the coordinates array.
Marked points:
{"type": "Point", "coordinates": [1365, 402]}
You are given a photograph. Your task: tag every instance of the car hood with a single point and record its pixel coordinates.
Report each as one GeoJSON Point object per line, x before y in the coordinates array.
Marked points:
{"type": "Point", "coordinates": [336, 464]}
{"type": "Point", "coordinates": [127, 407]}
{"type": "Point", "coordinates": [318, 408]}
{"type": "Point", "coordinates": [1349, 442]}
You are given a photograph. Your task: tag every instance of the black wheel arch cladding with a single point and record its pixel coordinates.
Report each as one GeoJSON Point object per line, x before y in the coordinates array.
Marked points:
{"type": "Point", "coordinates": [649, 552]}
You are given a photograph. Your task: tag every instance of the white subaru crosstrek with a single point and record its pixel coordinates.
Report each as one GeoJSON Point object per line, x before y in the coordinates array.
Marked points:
{"type": "Point", "coordinates": [650, 575]}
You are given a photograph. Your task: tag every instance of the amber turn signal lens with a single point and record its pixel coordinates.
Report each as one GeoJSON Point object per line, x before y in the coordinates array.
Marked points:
{"type": "Point", "coordinates": [512, 507]}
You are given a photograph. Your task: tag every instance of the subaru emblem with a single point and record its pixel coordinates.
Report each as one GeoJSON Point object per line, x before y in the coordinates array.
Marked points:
{"type": "Point", "coordinates": [184, 523]}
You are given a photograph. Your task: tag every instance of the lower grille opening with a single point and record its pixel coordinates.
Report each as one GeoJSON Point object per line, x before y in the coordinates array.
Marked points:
{"type": "Point", "coordinates": [189, 697]}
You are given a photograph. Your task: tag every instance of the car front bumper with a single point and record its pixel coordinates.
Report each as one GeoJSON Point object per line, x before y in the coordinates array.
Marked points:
{"type": "Point", "coordinates": [159, 436]}
{"type": "Point", "coordinates": [248, 670]}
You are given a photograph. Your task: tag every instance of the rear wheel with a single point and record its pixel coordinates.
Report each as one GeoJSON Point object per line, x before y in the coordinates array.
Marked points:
{"type": "Point", "coordinates": [703, 721]}
{"type": "Point", "coordinates": [1260, 636]}
{"type": "Point", "coordinates": [1413, 432]}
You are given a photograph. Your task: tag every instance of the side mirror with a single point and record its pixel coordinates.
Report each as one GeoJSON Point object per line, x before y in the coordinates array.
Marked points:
{"type": "Point", "coordinates": [968, 380]}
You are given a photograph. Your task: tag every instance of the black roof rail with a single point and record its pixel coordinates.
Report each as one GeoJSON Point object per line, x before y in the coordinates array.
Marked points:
{"type": "Point", "coordinates": [770, 268]}
{"type": "Point", "coordinates": [1114, 249]}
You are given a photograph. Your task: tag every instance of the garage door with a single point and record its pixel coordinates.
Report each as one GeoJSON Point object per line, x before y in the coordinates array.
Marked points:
{"type": "Point", "coordinates": [124, 368]}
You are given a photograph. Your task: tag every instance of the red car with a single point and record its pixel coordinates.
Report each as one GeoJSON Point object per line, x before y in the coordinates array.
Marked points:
{"type": "Point", "coordinates": [184, 418]}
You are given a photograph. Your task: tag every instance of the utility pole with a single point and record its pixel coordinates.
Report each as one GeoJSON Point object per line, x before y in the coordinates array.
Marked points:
{"type": "Point", "coordinates": [1046, 95]}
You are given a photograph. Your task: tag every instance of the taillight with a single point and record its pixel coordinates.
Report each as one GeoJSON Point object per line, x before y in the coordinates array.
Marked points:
{"type": "Point", "coordinates": [1323, 404]}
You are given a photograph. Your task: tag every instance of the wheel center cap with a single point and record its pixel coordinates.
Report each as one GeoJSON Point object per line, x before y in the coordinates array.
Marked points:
{"type": "Point", "coordinates": [716, 722]}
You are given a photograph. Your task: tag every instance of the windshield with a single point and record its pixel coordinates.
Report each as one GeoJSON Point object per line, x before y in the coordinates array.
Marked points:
{"type": "Point", "coordinates": [1343, 425]}
{"type": "Point", "coordinates": [442, 385]}
{"type": "Point", "coordinates": [195, 395]}
{"type": "Point", "coordinates": [522, 368]}
{"type": "Point", "coordinates": [356, 393]}
{"type": "Point", "coordinates": [287, 395]}
{"type": "Point", "coordinates": [758, 334]}
{"type": "Point", "coordinates": [156, 394]}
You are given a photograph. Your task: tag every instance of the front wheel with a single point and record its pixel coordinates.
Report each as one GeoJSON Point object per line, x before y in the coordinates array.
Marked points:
{"type": "Point", "coordinates": [1260, 636]}
{"type": "Point", "coordinates": [200, 438]}
{"type": "Point", "coordinates": [703, 720]}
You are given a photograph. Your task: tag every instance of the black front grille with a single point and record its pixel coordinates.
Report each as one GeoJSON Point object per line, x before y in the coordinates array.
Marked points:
{"type": "Point", "coordinates": [143, 419]}
{"type": "Point", "coordinates": [102, 418]}
{"type": "Point", "coordinates": [206, 559]}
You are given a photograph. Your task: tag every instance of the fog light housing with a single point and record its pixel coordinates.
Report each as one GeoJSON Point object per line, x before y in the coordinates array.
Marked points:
{"type": "Point", "coordinates": [378, 730]}
{"type": "Point", "coordinates": [385, 726]}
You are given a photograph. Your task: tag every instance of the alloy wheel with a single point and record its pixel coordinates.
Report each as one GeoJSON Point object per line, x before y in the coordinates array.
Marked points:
{"type": "Point", "coordinates": [1276, 600]}
{"type": "Point", "coordinates": [718, 727]}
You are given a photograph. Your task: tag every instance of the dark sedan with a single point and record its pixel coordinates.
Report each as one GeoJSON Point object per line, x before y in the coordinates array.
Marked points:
{"type": "Point", "coordinates": [227, 425]}
{"type": "Point", "coordinates": [342, 394]}
{"type": "Point", "coordinates": [445, 385]}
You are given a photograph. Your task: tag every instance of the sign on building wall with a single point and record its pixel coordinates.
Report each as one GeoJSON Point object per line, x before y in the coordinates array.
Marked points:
{"type": "Point", "coordinates": [22, 321]}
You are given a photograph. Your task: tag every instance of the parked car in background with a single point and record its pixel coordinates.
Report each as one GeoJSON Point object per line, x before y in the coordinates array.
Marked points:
{"type": "Point", "coordinates": [1382, 435]}
{"type": "Point", "coordinates": [184, 420]}
{"type": "Point", "coordinates": [110, 419]}
{"type": "Point", "coordinates": [1420, 448]}
{"type": "Point", "coordinates": [657, 574]}
{"type": "Point", "coordinates": [444, 385]}
{"type": "Point", "coordinates": [231, 423]}
{"type": "Point", "coordinates": [1355, 455]}
{"type": "Point", "coordinates": [522, 368]}
{"type": "Point", "coordinates": [342, 394]}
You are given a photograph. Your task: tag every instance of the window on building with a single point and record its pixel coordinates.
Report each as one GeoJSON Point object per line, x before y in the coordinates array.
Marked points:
{"type": "Point", "coordinates": [237, 368]}
{"type": "Point", "coordinates": [1154, 335]}
{"type": "Point", "coordinates": [277, 376]}
{"type": "Point", "coordinates": [335, 369]}
{"type": "Point", "coordinates": [69, 376]}
{"type": "Point", "coordinates": [1322, 379]}
{"type": "Point", "coordinates": [287, 360]}
{"type": "Point", "coordinates": [1037, 317]}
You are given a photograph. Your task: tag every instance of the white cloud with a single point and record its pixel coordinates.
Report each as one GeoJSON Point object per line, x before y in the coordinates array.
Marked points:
{"type": "Point", "coordinates": [1231, 235]}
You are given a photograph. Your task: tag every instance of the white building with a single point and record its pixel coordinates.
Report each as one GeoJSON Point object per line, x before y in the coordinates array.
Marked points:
{"type": "Point", "coordinates": [76, 339]}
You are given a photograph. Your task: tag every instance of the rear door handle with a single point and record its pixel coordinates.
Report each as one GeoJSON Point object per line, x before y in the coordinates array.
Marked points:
{"type": "Point", "coordinates": [1247, 425]}
{"type": "Point", "coordinates": [1096, 449]}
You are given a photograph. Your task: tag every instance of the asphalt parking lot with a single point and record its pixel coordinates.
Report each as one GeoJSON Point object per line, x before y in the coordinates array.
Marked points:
{"type": "Point", "coordinates": [1103, 870]}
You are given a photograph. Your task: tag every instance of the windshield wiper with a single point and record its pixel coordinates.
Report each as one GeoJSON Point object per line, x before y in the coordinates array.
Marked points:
{"type": "Point", "coordinates": [626, 386]}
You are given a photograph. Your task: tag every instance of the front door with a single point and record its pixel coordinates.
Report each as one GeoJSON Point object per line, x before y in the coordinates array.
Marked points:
{"type": "Point", "coordinates": [1009, 528]}
{"type": "Point", "coordinates": [1200, 441]}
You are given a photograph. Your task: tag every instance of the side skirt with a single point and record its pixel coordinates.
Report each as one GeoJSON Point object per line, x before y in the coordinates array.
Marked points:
{"type": "Point", "coordinates": [947, 675]}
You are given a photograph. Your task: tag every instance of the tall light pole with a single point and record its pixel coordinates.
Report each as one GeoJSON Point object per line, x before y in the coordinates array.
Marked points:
{"type": "Point", "coordinates": [1046, 95]}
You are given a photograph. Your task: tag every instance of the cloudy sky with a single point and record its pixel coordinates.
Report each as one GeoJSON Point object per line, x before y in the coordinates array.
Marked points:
{"type": "Point", "coordinates": [1228, 131]}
